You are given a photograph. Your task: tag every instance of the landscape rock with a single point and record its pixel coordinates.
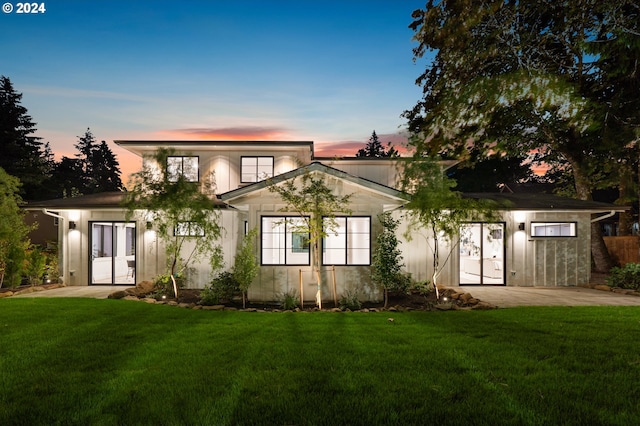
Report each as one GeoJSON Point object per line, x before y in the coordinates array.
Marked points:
{"type": "Point", "coordinates": [117, 295]}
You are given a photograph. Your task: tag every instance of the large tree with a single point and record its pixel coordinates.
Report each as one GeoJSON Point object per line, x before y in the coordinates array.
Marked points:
{"type": "Point", "coordinates": [14, 232]}
{"type": "Point", "coordinates": [23, 154]}
{"type": "Point", "coordinates": [514, 77]}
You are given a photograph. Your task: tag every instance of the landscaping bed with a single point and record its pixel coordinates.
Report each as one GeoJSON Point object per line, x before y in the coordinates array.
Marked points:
{"type": "Point", "coordinates": [450, 299]}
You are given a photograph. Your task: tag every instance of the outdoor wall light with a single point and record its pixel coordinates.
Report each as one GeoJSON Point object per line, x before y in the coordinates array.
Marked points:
{"type": "Point", "coordinates": [521, 226]}
{"type": "Point", "coordinates": [72, 225]}
{"type": "Point", "coordinates": [149, 225]}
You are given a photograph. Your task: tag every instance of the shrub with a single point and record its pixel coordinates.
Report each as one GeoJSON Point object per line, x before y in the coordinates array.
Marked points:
{"type": "Point", "coordinates": [350, 300]}
{"type": "Point", "coordinates": [222, 289]}
{"type": "Point", "coordinates": [627, 277]}
{"type": "Point", "coordinates": [290, 300]}
{"type": "Point", "coordinates": [163, 286]}
{"type": "Point", "coordinates": [422, 287]}
{"type": "Point", "coordinates": [36, 263]}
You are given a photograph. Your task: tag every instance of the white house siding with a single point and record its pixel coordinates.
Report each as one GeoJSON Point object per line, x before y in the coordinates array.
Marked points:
{"type": "Point", "coordinates": [560, 261]}
{"type": "Point", "coordinates": [226, 164]}
{"type": "Point", "coordinates": [275, 280]}
{"type": "Point", "coordinates": [382, 171]}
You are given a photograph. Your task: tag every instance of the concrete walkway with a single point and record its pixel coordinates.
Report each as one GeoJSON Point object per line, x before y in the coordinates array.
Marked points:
{"type": "Point", "coordinates": [92, 291]}
{"type": "Point", "coordinates": [508, 297]}
{"type": "Point", "coordinates": [502, 297]}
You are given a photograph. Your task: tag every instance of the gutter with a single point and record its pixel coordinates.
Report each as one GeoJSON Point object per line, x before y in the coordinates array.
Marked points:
{"type": "Point", "coordinates": [604, 216]}
{"type": "Point", "coordinates": [48, 213]}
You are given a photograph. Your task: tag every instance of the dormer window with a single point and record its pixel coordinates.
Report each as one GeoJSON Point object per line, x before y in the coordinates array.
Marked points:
{"type": "Point", "coordinates": [255, 169]}
{"type": "Point", "coordinates": [182, 166]}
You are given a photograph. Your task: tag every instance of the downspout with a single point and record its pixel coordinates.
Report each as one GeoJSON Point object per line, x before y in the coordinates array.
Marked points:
{"type": "Point", "coordinates": [61, 244]}
{"type": "Point", "coordinates": [604, 216]}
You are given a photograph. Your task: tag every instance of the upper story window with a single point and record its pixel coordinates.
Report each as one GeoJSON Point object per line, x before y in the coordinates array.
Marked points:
{"type": "Point", "coordinates": [553, 229]}
{"type": "Point", "coordinates": [350, 244]}
{"type": "Point", "coordinates": [255, 169]}
{"type": "Point", "coordinates": [182, 166]}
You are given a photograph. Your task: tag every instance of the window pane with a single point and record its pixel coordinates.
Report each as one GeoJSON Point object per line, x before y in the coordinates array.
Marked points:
{"type": "Point", "coordinates": [190, 168]}
{"type": "Point", "coordinates": [563, 229]}
{"type": "Point", "coordinates": [174, 166]}
{"type": "Point", "coordinates": [248, 169]}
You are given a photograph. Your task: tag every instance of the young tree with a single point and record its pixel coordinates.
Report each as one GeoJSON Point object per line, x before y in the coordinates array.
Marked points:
{"type": "Point", "coordinates": [14, 232]}
{"type": "Point", "coordinates": [316, 204]}
{"type": "Point", "coordinates": [22, 153]}
{"type": "Point", "coordinates": [181, 212]}
{"type": "Point", "coordinates": [518, 76]}
{"type": "Point", "coordinates": [375, 149]}
{"type": "Point", "coordinates": [246, 267]}
{"type": "Point", "coordinates": [387, 257]}
{"type": "Point", "coordinates": [435, 206]}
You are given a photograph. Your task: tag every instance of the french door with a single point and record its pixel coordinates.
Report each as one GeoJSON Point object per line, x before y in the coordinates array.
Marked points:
{"type": "Point", "coordinates": [482, 253]}
{"type": "Point", "coordinates": [113, 253]}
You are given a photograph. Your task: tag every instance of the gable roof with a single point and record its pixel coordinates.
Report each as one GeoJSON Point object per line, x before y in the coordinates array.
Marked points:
{"type": "Point", "coordinates": [315, 167]}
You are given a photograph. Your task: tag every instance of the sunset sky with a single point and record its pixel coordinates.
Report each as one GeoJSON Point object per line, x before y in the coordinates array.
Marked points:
{"type": "Point", "coordinates": [326, 71]}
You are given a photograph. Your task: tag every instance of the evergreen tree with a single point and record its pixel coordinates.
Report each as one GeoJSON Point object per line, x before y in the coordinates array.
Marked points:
{"type": "Point", "coordinates": [22, 153]}
{"type": "Point", "coordinates": [106, 171]}
{"type": "Point", "coordinates": [86, 146]}
{"type": "Point", "coordinates": [375, 149]}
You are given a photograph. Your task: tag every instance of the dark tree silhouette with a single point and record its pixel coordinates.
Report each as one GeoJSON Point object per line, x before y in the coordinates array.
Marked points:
{"type": "Point", "coordinates": [375, 149]}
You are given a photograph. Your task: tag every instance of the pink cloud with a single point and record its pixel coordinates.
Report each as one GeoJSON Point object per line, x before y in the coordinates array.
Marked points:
{"type": "Point", "coordinates": [230, 133]}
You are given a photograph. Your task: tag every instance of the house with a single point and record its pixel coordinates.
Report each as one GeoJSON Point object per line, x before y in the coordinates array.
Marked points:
{"type": "Point", "coordinates": [539, 240]}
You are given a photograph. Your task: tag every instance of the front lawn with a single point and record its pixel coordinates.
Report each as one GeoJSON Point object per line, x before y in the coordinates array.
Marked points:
{"type": "Point", "coordinates": [84, 361]}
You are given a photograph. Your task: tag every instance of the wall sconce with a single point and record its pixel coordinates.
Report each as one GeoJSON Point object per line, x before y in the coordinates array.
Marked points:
{"type": "Point", "coordinates": [72, 225]}
{"type": "Point", "coordinates": [521, 226]}
{"type": "Point", "coordinates": [149, 225]}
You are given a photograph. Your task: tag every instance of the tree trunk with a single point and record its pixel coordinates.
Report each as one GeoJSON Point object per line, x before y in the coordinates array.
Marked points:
{"type": "Point", "coordinates": [600, 256]}
{"type": "Point", "coordinates": [625, 189]}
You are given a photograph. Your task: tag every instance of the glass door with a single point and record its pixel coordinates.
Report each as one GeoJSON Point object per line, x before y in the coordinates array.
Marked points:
{"type": "Point", "coordinates": [113, 253]}
{"type": "Point", "coordinates": [482, 253]}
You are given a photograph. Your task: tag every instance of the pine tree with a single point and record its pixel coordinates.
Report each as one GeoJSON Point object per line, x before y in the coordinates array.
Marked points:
{"type": "Point", "coordinates": [106, 171]}
{"type": "Point", "coordinates": [22, 153]}
{"type": "Point", "coordinates": [375, 149]}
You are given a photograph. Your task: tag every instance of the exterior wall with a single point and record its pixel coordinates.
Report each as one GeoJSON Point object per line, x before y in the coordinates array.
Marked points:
{"type": "Point", "coordinates": [226, 165]}
{"type": "Point", "coordinates": [383, 171]}
{"type": "Point", "coordinates": [529, 261]}
{"type": "Point", "coordinates": [275, 280]}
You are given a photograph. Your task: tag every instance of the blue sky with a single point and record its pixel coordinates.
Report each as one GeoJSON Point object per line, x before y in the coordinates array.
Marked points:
{"type": "Point", "coordinates": [326, 71]}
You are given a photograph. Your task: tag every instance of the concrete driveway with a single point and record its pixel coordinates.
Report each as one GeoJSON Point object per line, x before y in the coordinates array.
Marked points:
{"type": "Point", "coordinates": [508, 297]}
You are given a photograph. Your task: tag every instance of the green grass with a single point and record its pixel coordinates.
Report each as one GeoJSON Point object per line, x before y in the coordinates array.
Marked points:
{"type": "Point", "coordinates": [83, 361]}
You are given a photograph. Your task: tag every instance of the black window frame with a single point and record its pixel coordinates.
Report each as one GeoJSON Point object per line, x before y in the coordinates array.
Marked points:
{"type": "Point", "coordinates": [180, 172]}
{"type": "Point", "coordinates": [256, 173]}
{"type": "Point", "coordinates": [532, 226]}
{"type": "Point", "coordinates": [285, 219]}
{"type": "Point", "coordinates": [346, 256]}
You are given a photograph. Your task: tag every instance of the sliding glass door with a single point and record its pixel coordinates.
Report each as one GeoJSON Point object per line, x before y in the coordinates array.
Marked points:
{"type": "Point", "coordinates": [113, 253]}
{"type": "Point", "coordinates": [482, 253]}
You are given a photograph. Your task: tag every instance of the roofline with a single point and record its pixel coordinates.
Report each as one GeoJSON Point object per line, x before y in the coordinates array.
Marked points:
{"type": "Point", "coordinates": [123, 143]}
{"type": "Point", "coordinates": [314, 166]}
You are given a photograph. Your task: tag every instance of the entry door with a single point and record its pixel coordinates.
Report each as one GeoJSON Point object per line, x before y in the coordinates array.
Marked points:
{"type": "Point", "coordinates": [482, 253]}
{"type": "Point", "coordinates": [113, 253]}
